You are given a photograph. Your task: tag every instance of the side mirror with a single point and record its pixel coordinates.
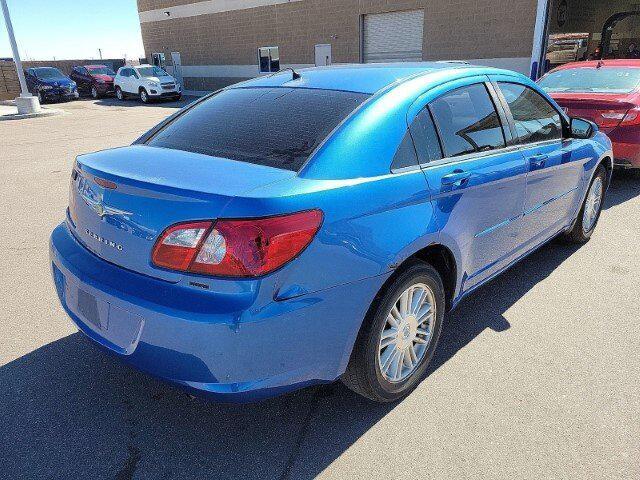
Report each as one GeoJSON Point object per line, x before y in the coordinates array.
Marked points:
{"type": "Point", "coordinates": [581, 128]}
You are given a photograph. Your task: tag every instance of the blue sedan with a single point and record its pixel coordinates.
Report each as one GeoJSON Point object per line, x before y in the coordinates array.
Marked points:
{"type": "Point", "coordinates": [318, 225]}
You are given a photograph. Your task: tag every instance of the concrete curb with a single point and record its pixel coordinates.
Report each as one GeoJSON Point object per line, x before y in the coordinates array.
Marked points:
{"type": "Point", "coordinates": [43, 113]}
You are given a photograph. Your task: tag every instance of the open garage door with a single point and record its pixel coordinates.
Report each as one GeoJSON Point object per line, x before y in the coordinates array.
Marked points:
{"type": "Point", "coordinates": [393, 37]}
{"type": "Point", "coordinates": [592, 29]}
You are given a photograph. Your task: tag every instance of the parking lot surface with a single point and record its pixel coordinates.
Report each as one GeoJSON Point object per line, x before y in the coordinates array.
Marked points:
{"type": "Point", "coordinates": [537, 374]}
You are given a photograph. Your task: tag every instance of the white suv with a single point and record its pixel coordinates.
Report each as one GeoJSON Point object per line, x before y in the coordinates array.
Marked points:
{"type": "Point", "coordinates": [146, 81]}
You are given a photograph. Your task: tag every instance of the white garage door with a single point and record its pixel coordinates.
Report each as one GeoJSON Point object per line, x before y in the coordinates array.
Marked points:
{"type": "Point", "coordinates": [393, 37]}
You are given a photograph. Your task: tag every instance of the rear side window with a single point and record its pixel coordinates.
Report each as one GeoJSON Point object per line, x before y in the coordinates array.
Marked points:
{"type": "Point", "coordinates": [467, 121]}
{"type": "Point", "coordinates": [277, 127]}
{"type": "Point", "coordinates": [534, 117]}
{"type": "Point", "coordinates": [405, 155]}
{"type": "Point", "coordinates": [425, 137]}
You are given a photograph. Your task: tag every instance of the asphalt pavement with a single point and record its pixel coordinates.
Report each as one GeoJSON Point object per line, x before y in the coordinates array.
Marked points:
{"type": "Point", "coordinates": [537, 374]}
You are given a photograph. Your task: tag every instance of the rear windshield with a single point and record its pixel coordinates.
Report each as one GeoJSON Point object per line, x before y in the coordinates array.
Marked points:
{"type": "Point", "coordinates": [596, 80]}
{"type": "Point", "coordinates": [277, 127]}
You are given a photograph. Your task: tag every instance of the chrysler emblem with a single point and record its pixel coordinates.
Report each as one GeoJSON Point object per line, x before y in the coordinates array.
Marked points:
{"type": "Point", "coordinates": [95, 201]}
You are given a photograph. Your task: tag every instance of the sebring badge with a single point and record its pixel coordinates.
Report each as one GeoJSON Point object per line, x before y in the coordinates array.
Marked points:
{"type": "Point", "coordinates": [103, 240]}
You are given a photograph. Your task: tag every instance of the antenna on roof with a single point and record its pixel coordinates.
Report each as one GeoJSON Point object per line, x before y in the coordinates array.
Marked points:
{"type": "Point", "coordinates": [294, 75]}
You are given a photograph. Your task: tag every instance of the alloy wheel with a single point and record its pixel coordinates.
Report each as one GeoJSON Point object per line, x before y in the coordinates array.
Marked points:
{"type": "Point", "coordinates": [94, 92]}
{"type": "Point", "coordinates": [407, 333]}
{"type": "Point", "coordinates": [592, 205]}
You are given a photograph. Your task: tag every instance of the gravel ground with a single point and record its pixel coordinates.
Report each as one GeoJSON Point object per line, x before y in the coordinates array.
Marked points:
{"type": "Point", "coordinates": [537, 374]}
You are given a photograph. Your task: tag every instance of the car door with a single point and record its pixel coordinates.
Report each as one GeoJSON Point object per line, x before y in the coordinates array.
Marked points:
{"type": "Point", "coordinates": [555, 170]}
{"type": "Point", "coordinates": [133, 82]}
{"type": "Point", "coordinates": [476, 176]}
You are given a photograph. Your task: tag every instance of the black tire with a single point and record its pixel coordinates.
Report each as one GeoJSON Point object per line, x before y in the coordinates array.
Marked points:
{"type": "Point", "coordinates": [363, 374]}
{"type": "Point", "coordinates": [581, 233]}
{"type": "Point", "coordinates": [41, 98]}
{"type": "Point", "coordinates": [94, 92]}
{"type": "Point", "coordinates": [120, 94]}
{"type": "Point", "coordinates": [144, 96]}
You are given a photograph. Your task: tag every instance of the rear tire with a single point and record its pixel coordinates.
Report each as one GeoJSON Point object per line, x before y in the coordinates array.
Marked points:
{"type": "Point", "coordinates": [94, 92]}
{"type": "Point", "coordinates": [119, 93]}
{"type": "Point", "coordinates": [392, 350]}
{"type": "Point", "coordinates": [589, 214]}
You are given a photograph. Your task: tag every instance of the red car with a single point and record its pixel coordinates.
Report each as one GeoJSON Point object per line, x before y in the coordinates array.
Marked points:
{"type": "Point", "coordinates": [606, 92]}
{"type": "Point", "coordinates": [96, 80]}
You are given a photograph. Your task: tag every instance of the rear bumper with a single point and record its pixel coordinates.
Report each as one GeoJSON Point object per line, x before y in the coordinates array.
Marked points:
{"type": "Point", "coordinates": [234, 344]}
{"type": "Point", "coordinates": [626, 146]}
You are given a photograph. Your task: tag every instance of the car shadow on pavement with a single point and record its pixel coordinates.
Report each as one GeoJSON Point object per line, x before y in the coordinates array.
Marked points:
{"type": "Point", "coordinates": [625, 185]}
{"type": "Point", "coordinates": [67, 410]}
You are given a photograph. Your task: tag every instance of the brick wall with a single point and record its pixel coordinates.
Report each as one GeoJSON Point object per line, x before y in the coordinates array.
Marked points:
{"type": "Point", "coordinates": [456, 29]}
{"type": "Point", "coordinates": [9, 83]}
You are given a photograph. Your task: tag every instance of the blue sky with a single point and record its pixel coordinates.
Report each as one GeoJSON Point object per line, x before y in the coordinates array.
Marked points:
{"type": "Point", "coordinates": [69, 29]}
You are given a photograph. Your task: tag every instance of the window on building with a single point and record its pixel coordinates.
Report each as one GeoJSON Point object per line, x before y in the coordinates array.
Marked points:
{"type": "Point", "coordinates": [535, 119]}
{"type": "Point", "coordinates": [269, 59]}
{"type": "Point", "coordinates": [277, 127]}
{"type": "Point", "coordinates": [467, 121]}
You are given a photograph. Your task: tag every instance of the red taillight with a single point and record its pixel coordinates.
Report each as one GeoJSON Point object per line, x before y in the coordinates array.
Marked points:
{"type": "Point", "coordinates": [236, 248]}
{"type": "Point", "coordinates": [632, 117]}
{"type": "Point", "coordinates": [177, 246]}
{"type": "Point", "coordinates": [614, 118]}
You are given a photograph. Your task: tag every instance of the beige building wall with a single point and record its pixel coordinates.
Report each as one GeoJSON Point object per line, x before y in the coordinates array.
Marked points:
{"type": "Point", "coordinates": [220, 48]}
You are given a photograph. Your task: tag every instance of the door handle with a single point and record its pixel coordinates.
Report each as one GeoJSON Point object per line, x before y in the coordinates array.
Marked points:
{"type": "Point", "coordinates": [457, 178]}
{"type": "Point", "coordinates": [538, 161]}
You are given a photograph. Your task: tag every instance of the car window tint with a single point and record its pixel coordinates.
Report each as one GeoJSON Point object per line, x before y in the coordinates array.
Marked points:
{"type": "Point", "coordinates": [406, 154]}
{"type": "Point", "coordinates": [534, 117]}
{"type": "Point", "coordinates": [277, 127]}
{"type": "Point", "coordinates": [425, 137]}
{"type": "Point", "coordinates": [467, 121]}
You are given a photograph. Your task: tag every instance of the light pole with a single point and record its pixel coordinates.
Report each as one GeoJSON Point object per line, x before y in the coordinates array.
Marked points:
{"type": "Point", "coordinates": [26, 102]}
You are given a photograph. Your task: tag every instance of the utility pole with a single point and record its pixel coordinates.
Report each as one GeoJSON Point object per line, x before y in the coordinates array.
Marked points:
{"type": "Point", "coordinates": [100, 53]}
{"type": "Point", "coordinates": [26, 102]}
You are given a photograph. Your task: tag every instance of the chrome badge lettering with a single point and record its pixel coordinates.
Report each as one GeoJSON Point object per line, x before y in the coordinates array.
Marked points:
{"type": "Point", "coordinates": [103, 240]}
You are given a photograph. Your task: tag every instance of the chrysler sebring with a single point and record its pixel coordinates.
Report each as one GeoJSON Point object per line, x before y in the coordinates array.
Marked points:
{"type": "Point", "coordinates": [310, 226]}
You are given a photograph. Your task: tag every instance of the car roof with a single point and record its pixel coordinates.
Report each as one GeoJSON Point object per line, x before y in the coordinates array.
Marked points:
{"type": "Point", "coordinates": [95, 66]}
{"type": "Point", "coordinates": [617, 62]}
{"type": "Point", "coordinates": [361, 78]}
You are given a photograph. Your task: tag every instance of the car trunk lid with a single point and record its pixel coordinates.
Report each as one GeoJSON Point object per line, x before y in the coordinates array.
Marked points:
{"type": "Point", "coordinates": [121, 200]}
{"type": "Point", "coordinates": [606, 110]}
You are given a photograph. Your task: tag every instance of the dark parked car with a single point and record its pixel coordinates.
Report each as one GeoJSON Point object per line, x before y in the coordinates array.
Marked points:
{"type": "Point", "coordinates": [94, 80]}
{"type": "Point", "coordinates": [49, 83]}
